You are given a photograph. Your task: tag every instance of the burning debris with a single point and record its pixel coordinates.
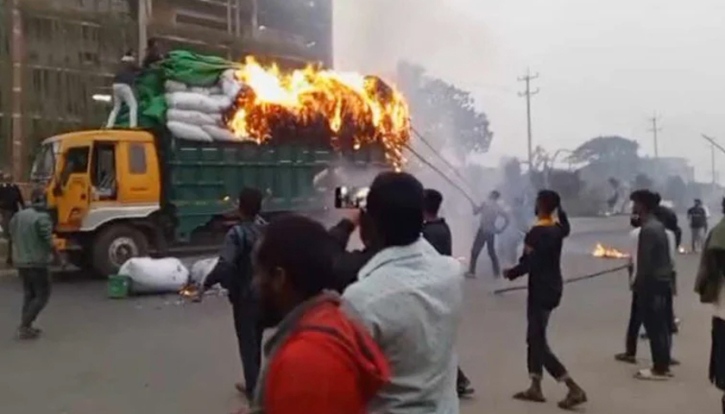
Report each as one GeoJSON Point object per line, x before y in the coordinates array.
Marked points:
{"type": "Point", "coordinates": [608, 252]}
{"type": "Point", "coordinates": [352, 109]}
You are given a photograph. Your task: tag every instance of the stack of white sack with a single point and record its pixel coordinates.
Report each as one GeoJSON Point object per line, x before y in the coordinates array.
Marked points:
{"type": "Point", "coordinates": [195, 113]}
{"type": "Point", "coordinates": [149, 275]}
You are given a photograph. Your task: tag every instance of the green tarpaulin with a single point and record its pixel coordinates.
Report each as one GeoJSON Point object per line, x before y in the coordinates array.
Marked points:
{"type": "Point", "coordinates": [186, 67]}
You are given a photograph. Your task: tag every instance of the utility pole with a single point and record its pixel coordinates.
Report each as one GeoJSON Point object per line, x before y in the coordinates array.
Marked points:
{"type": "Point", "coordinates": [713, 144]}
{"type": "Point", "coordinates": [655, 129]}
{"type": "Point", "coordinates": [528, 93]}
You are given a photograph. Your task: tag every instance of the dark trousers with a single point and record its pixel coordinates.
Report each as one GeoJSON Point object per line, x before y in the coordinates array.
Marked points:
{"type": "Point", "coordinates": [488, 239]}
{"type": "Point", "coordinates": [5, 216]}
{"type": "Point", "coordinates": [462, 380]}
{"type": "Point", "coordinates": [36, 289]}
{"type": "Point", "coordinates": [539, 355]}
{"type": "Point", "coordinates": [249, 336]}
{"type": "Point", "coordinates": [635, 323]}
{"type": "Point", "coordinates": [654, 308]}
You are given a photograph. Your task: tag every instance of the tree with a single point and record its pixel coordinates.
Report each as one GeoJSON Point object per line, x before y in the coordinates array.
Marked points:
{"type": "Point", "coordinates": [606, 149]}
{"type": "Point", "coordinates": [444, 114]}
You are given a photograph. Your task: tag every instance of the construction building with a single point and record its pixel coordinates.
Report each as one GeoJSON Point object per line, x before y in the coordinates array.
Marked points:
{"type": "Point", "coordinates": [58, 57]}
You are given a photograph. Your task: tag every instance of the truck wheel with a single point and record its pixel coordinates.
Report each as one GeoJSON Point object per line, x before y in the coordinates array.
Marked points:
{"type": "Point", "coordinates": [115, 245]}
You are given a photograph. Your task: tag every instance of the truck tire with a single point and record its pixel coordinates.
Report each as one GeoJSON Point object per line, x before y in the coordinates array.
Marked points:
{"type": "Point", "coordinates": [116, 244]}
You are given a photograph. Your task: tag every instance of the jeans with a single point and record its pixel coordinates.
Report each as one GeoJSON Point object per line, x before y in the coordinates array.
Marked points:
{"type": "Point", "coordinates": [539, 355]}
{"type": "Point", "coordinates": [635, 323]}
{"type": "Point", "coordinates": [36, 289]}
{"type": "Point", "coordinates": [123, 93]}
{"type": "Point", "coordinates": [489, 240]}
{"type": "Point", "coordinates": [249, 337]}
{"type": "Point", "coordinates": [654, 309]}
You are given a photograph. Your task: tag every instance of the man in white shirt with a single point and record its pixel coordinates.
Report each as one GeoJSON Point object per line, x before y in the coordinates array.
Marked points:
{"type": "Point", "coordinates": [410, 298]}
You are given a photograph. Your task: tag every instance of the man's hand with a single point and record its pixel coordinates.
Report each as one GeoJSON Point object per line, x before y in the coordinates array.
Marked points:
{"type": "Point", "coordinates": [354, 217]}
{"type": "Point", "coordinates": [508, 274]}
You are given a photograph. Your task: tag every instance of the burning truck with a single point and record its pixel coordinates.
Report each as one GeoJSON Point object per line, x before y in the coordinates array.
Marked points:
{"type": "Point", "coordinates": [209, 127]}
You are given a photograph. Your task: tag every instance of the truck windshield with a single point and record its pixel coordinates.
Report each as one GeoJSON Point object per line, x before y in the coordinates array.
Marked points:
{"type": "Point", "coordinates": [44, 164]}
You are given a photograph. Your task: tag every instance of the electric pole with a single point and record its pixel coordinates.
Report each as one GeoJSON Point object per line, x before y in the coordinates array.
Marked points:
{"type": "Point", "coordinates": [712, 157]}
{"type": "Point", "coordinates": [528, 93]}
{"type": "Point", "coordinates": [655, 129]}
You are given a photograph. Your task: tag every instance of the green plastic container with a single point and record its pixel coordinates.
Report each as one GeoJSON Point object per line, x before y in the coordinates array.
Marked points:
{"type": "Point", "coordinates": [118, 286]}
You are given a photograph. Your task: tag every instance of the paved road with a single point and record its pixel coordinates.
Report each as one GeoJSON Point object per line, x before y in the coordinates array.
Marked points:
{"type": "Point", "coordinates": [161, 355]}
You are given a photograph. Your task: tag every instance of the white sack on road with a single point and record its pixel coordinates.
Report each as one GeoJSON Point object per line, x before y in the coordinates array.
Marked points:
{"type": "Point", "coordinates": [201, 269]}
{"type": "Point", "coordinates": [155, 275]}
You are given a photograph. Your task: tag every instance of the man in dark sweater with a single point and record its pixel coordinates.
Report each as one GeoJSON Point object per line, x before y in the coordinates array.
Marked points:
{"type": "Point", "coordinates": [653, 284]}
{"type": "Point", "coordinates": [11, 201]}
{"type": "Point", "coordinates": [123, 83]}
{"type": "Point", "coordinates": [542, 262]}
{"type": "Point", "coordinates": [438, 234]}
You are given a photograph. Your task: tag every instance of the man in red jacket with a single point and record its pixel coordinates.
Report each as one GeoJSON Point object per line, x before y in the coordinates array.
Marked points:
{"type": "Point", "coordinates": [319, 360]}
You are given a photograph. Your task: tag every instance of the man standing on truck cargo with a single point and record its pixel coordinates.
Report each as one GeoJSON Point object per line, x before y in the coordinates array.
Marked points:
{"type": "Point", "coordinates": [32, 233]}
{"type": "Point", "coordinates": [123, 91]}
{"type": "Point", "coordinates": [11, 201]}
{"type": "Point", "coordinates": [234, 273]}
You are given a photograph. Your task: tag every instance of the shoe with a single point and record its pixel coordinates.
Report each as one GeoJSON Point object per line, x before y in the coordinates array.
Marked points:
{"type": "Point", "coordinates": [674, 362]}
{"type": "Point", "coordinates": [465, 391]}
{"type": "Point", "coordinates": [650, 375]}
{"type": "Point", "coordinates": [26, 334]}
{"type": "Point", "coordinates": [625, 357]}
{"type": "Point", "coordinates": [573, 399]}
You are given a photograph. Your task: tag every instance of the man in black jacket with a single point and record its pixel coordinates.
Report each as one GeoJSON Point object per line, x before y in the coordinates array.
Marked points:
{"type": "Point", "coordinates": [11, 201]}
{"type": "Point", "coordinates": [542, 262]}
{"type": "Point", "coordinates": [438, 234]}
{"type": "Point", "coordinates": [348, 263]}
{"type": "Point", "coordinates": [234, 273]}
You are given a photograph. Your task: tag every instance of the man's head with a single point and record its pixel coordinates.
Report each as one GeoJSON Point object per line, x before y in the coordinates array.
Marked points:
{"type": "Point", "coordinates": [698, 202]}
{"type": "Point", "coordinates": [644, 203]}
{"type": "Point", "coordinates": [292, 263]}
{"type": "Point", "coordinates": [546, 202]}
{"type": "Point", "coordinates": [395, 207]}
{"type": "Point", "coordinates": [250, 203]}
{"type": "Point", "coordinates": [38, 197]}
{"type": "Point", "coordinates": [128, 57]}
{"type": "Point", "coordinates": [432, 200]}
{"type": "Point", "coordinates": [494, 195]}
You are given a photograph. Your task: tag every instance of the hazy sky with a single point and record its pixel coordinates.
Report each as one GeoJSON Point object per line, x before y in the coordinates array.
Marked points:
{"type": "Point", "coordinates": [605, 66]}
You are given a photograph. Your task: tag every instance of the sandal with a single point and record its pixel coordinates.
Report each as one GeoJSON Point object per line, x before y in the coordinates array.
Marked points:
{"type": "Point", "coordinates": [530, 396]}
{"type": "Point", "coordinates": [572, 400]}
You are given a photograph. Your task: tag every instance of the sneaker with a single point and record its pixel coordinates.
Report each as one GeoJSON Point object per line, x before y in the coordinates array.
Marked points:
{"type": "Point", "coordinates": [625, 357]}
{"type": "Point", "coordinates": [465, 391]}
{"type": "Point", "coordinates": [25, 334]}
{"type": "Point", "coordinates": [651, 375]}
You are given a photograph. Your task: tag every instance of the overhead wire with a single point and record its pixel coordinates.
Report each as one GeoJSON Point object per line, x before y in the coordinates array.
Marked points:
{"type": "Point", "coordinates": [443, 175]}
{"type": "Point", "coordinates": [435, 151]}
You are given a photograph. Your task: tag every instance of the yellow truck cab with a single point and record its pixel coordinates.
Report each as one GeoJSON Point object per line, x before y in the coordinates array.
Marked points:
{"type": "Point", "coordinates": [116, 194]}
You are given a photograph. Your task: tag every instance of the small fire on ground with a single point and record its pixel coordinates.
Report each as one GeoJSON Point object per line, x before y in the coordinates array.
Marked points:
{"type": "Point", "coordinates": [608, 252]}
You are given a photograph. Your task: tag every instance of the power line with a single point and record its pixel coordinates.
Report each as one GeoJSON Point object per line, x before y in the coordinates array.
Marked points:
{"type": "Point", "coordinates": [435, 151]}
{"type": "Point", "coordinates": [528, 93]}
{"type": "Point", "coordinates": [445, 177]}
{"type": "Point", "coordinates": [713, 145]}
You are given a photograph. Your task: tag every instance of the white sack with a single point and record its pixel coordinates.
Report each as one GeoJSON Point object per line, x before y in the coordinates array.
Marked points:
{"type": "Point", "coordinates": [187, 131]}
{"type": "Point", "coordinates": [201, 269]}
{"type": "Point", "coordinates": [193, 117]}
{"type": "Point", "coordinates": [155, 275]}
{"type": "Point", "coordinates": [174, 86]}
{"type": "Point", "coordinates": [212, 90]}
{"type": "Point", "coordinates": [198, 102]}
{"type": "Point", "coordinates": [219, 133]}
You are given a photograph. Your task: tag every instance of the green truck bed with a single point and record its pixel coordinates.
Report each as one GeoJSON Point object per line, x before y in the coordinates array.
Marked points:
{"type": "Point", "coordinates": [203, 179]}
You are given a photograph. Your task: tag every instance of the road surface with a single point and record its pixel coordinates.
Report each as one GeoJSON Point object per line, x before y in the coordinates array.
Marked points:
{"type": "Point", "coordinates": [164, 356]}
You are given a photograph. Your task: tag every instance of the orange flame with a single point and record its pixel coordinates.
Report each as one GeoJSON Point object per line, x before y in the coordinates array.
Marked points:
{"type": "Point", "coordinates": [608, 252]}
{"type": "Point", "coordinates": [358, 108]}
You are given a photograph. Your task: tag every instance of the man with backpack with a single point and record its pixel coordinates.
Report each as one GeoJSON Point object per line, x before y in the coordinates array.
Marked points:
{"type": "Point", "coordinates": [234, 273]}
{"type": "Point", "coordinates": [698, 223]}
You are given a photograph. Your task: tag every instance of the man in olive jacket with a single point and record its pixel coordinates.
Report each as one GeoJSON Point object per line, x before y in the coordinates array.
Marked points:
{"type": "Point", "coordinates": [31, 231]}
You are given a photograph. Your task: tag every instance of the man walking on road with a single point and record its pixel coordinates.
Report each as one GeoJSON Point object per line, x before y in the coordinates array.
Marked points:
{"type": "Point", "coordinates": [234, 273]}
{"type": "Point", "coordinates": [542, 262]}
{"type": "Point", "coordinates": [32, 233]}
{"type": "Point", "coordinates": [653, 283]}
{"type": "Point", "coordinates": [490, 211]}
{"type": "Point", "coordinates": [410, 298]}
{"type": "Point", "coordinates": [438, 234]}
{"type": "Point", "coordinates": [697, 217]}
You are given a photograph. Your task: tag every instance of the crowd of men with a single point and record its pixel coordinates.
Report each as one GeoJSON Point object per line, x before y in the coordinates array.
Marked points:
{"type": "Point", "coordinates": [376, 327]}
